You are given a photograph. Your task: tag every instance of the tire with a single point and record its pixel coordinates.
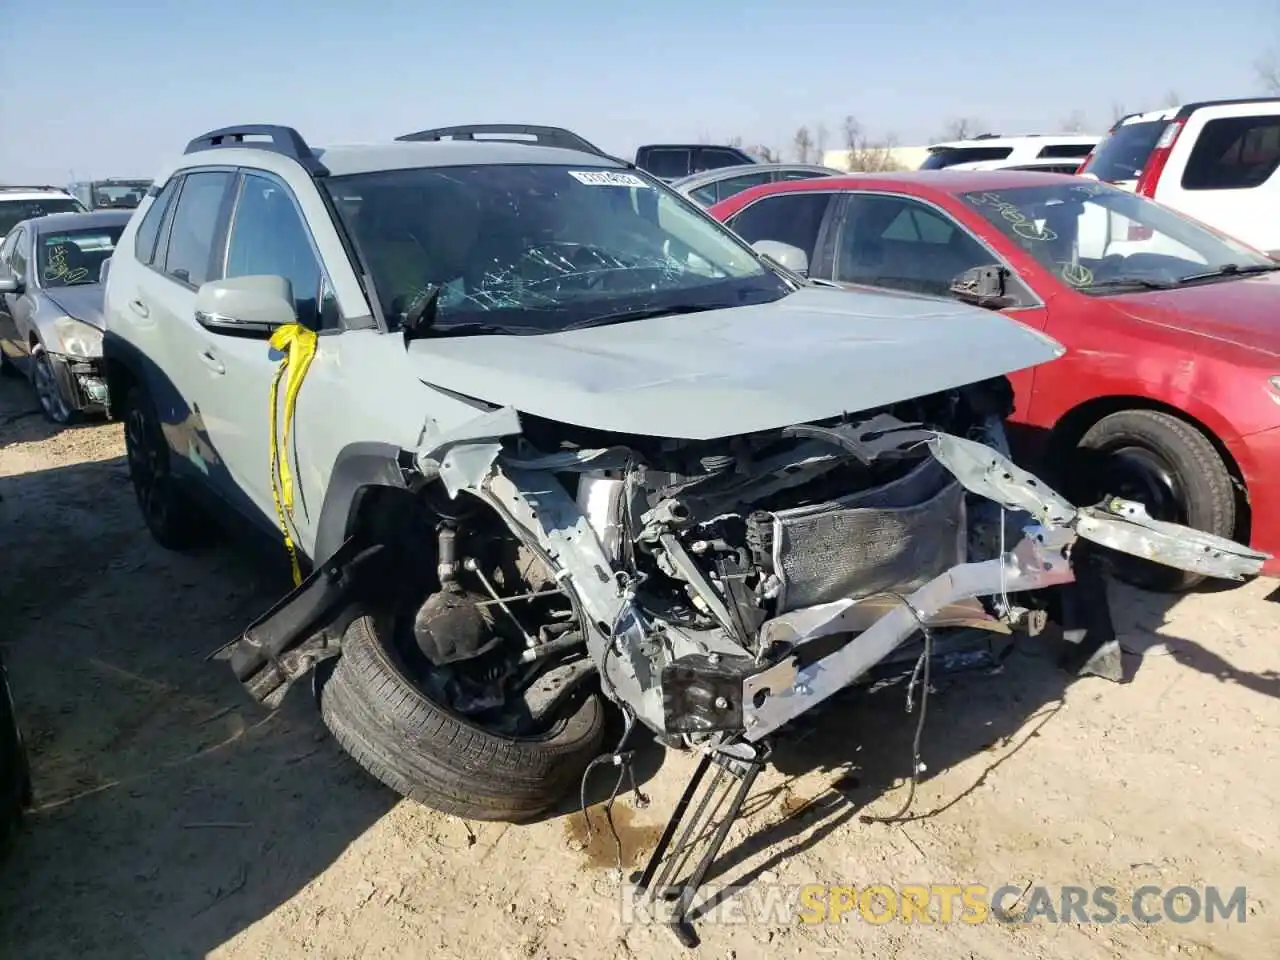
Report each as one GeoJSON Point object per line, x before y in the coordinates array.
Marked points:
{"type": "Point", "coordinates": [426, 753]}
{"type": "Point", "coordinates": [15, 769]}
{"type": "Point", "coordinates": [1188, 480]}
{"type": "Point", "coordinates": [49, 393]}
{"type": "Point", "coordinates": [172, 519]}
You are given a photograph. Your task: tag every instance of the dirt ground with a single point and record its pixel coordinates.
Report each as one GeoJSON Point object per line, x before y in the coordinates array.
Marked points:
{"type": "Point", "coordinates": [175, 818]}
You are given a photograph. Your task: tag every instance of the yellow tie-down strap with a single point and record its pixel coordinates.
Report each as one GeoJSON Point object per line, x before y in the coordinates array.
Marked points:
{"type": "Point", "coordinates": [298, 344]}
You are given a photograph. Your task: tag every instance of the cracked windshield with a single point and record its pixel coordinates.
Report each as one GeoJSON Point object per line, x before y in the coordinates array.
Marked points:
{"type": "Point", "coordinates": [527, 249]}
{"type": "Point", "coordinates": [1101, 239]}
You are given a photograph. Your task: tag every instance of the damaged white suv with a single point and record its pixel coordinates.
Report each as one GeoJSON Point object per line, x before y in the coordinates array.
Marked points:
{"type": "Point", "coordinates": [547, 435]}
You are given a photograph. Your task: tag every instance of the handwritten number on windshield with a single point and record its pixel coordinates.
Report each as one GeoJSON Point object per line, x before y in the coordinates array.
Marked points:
{"type": "Point", "coordinates": [57, 269]}
{"type": "Point", "coordinates": [1018, 222]}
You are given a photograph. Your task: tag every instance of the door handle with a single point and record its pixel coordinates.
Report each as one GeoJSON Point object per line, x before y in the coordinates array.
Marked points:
{"type": "Point", "coordinates": [138, 307]}
{"type": "Point", "coordinates": [212, 362]}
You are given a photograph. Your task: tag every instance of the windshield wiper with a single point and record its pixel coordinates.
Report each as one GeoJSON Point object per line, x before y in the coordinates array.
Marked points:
{"type": "Point", "coordinates": [1130, 283]}
{"type": "Point", "coordinates": [1230, 270]}
{"type": "Point", "coordinates": [644, 313]}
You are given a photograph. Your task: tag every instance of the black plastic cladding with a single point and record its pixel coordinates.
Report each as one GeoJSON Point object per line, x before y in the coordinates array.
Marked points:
{"type": "Point", "coordinates": [285, 141]}
{"type": "Point", "coordinates": [543, 136]}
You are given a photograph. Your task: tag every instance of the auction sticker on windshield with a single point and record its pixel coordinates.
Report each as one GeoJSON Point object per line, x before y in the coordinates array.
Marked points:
{"type": "Point", "coordinates": [606, 178]}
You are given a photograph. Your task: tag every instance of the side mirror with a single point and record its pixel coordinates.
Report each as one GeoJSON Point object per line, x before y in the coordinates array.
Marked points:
{"type": "Point", "coordinates": [985, 286]}
{"type": "Point", "coordinates": [793, 258]}
{"type": "Point", "coordinates": [245, 305]}
{"type": "Point", "coordinates": [9, 283]}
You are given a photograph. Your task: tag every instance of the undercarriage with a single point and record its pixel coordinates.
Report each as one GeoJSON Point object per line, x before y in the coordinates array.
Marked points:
{"type": "Point", "coordinates": [715, 591]}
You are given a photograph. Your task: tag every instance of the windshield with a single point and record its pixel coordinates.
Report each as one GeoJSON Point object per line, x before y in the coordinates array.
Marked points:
{"type": "Point", "coordinates": [1122, 155]}
{"type": "Point", "coordinates": [15, 211]}
{"type": "Point", "coordinates": [120, 194]}
{"type": "Point", "coordinates": [74, 257]}
{"type": "Point", "coordinates": [538, 248]}
{"type": "Point", "coordinates": [1102, 239]}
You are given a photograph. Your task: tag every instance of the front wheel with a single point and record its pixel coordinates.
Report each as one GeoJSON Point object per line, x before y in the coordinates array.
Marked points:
{"type": "Point", "coordinates": [381, 717]}
{"type": "Point", "coordinates": [57, 408]}
{"type": "Point", "coordinates": [1170, 467]}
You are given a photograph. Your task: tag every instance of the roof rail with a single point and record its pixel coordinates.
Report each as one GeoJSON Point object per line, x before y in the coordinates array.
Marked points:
{"type": "Point", "coordinates": [1187, 109]}
{"type": "Point", "coordinates": [514, 133]}
{"type": "Point", "coordinates": [24, 187]}
{"type": "Point", "coordinates": [285, 141]}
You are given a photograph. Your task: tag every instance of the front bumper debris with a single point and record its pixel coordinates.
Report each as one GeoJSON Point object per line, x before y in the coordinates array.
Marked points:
{"type": "Point", "coordinates": [82, 380]}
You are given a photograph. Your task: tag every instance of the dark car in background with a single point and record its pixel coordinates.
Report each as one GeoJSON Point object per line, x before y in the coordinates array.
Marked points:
{"type": "Point", "coordinates": [671, 161]}
{"type": "Point", "coordinates": [110, 194]}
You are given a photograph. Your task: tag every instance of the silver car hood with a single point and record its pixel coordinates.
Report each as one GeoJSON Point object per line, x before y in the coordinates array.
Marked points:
{"type": "Point", "coordinates": [83, 301]}
{"type": "Point", "coordinates": [814, 354]}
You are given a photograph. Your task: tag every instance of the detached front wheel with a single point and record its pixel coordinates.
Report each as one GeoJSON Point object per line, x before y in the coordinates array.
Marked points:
{"type": "Point", "coordinates": [376, 709]}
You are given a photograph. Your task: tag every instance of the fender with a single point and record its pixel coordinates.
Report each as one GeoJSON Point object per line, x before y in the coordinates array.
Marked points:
{"type": "Point", "coordinates": [357, 468]}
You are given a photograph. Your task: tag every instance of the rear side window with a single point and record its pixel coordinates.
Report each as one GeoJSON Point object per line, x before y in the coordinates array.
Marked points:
{"type": "Point", "coordinates": [667, 163]}
{"type": "Point", "coordinates": [1122, 155]}
{"type": "Point", "coordinates": [1234, 153]}
{"type": "Point", "coordinates": [195, 221]}
{"type": "Point", "coordinates": [1063, 151]}
{"type": "Point", "coordinates": [727, 188]}
{"type": "Point", "coordinates": [144, 242]}
{"type": "Point", "coordinates": [792, 218]}
{"type": "Point", "coordinates": [950, 156]}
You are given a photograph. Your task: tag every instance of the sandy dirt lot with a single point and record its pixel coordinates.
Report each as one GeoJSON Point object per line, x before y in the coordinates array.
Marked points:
{"type": "Point", "coordinates": [175, 818]}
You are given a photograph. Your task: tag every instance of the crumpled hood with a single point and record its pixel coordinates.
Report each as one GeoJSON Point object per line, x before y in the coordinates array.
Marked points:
{"type": "Point", "coordinates": [82, 301]}
{"type": "Point", "coordinates": [811, 355]}
{"type": "Point", "coordinates": [1243, 312]}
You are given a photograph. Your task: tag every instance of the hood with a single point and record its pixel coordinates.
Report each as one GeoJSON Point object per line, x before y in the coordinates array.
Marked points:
{"type": "Point", "coordinates": [1243, 312]}
{"type": "Point", "coordinates": [82, 301]}
{"type": "Point", "coordinates": [810, 355]}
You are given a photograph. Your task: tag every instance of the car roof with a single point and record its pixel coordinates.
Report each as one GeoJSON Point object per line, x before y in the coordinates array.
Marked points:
{"type": "Point", "coordinates": [1071, 138]}
{"type": "Point", "coordinates": [346, 160]}
{"type": "Point", "coordinates": [54, 222]}
{"type": "Point", "coordinates": [721, 173]}
{"type": "Point", "coordinates": [32, 193]}
{"type": "Point", "coordinates": [914, 181]}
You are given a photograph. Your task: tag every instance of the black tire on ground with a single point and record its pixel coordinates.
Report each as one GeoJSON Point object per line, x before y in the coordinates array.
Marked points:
{"type": "Point", "coordinates": [173, 520]}
{"type": "Point", "coordinates": [426, 753]}
{"type": "Point", "coordinates": [15, 772]}
{"type": "Point", "coordinates": [1200, 490]}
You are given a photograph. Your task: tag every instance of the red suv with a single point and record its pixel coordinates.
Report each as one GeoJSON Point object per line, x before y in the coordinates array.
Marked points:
{"type": "Point", "coordinates": [1170, 390]}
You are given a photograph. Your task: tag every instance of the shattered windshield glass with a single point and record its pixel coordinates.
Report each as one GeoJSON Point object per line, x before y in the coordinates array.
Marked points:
{"type": "Point", "coordinates": [537, 248]}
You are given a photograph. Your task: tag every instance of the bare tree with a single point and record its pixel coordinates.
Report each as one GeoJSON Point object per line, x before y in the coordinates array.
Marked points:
{"type": "Point", "coordinates": [1075, 122]}
{"type": "Point", "coordinates": [865, 155]}
{"type": "Point", "coordinates": [1171, 98]}
{"type": "Point", "coordinates": [820, 138]}
{"type": "Point", "coordinates": [961, 128]}
{"type": "Point", "coordinates": [1268, 69]}
{"type": "Point", "coordinates": [765, 153]}
{"type": "Point", "coordinates": [735, 142]}
{"type": "Point", "coordinates": [802, 144]}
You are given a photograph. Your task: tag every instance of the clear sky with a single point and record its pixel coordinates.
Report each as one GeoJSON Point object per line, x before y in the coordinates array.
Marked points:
{"type": "Point", "coordinates": [115, 89]}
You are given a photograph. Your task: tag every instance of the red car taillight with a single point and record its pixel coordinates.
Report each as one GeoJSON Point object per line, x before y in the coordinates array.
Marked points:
{"type": "Point", "coordinates": [1152, 169]}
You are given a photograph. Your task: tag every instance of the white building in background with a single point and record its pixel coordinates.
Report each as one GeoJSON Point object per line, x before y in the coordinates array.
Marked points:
{"type": "Point", "coordinates": [908, 158]}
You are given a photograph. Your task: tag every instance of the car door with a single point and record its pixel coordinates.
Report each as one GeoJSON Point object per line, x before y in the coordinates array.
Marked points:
{"type": "Point", "coordinates": [10, 342]}
{"type": "Point", "coordinates": [266, 236]}
{"type": "Point", "coordinates": [161, 314]}
{"type": "Point", "coordinates": [903, 243]}
{"type": "Point", "coordinates": [801, 219]}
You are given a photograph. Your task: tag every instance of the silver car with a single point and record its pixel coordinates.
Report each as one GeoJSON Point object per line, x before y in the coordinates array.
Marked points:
{"type": "Point", "coordinates": [712, 186]}
{"type": "Point", "coordinates": [51, 290]}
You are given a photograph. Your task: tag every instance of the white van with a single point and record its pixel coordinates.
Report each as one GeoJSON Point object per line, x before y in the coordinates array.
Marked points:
{"type": "Point", "coordinates": [1217, 161]}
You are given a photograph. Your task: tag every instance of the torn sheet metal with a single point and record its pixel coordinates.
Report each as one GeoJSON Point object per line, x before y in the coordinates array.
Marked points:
{"type": "Point", "coordinates": [461, 457]}
{"type": "Point", "coordinates": [989, 473]}
{"type": "Point", "coordinates": [1125, 526]}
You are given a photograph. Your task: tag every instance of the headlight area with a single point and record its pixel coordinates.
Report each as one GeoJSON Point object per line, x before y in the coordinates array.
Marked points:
{"type": "Point", "coordinates": [76, 359]}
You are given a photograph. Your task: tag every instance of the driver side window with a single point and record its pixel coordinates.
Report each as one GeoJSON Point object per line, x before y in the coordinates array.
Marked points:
{"type": "Point", "coordinates": [268, 236]}
{"type": "Point", "coordinates": [903, 244]}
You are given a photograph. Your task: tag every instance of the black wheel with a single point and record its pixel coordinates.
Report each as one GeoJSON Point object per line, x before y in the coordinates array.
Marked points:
{"type": "Point", "coordinates": [15, 771]}
{"type": "Point", "coordinates": [424, 751]}
{"type": "Point", "coordinates": [1171, 468]}
{"type": "Point", "coordinates": [57, 408]}
{"type": "Point", "coordinates": [175, 523]}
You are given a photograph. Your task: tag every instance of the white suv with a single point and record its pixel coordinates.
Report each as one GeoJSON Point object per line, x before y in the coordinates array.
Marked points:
{"type": "Point", "coordinates": [1217, 161]}
{"type": "Point", "coordinates": [18, 203]}
{"type": "Point", "coordinates": [1009, 151]}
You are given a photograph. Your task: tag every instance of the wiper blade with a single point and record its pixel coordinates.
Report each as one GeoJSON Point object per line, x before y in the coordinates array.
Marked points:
{"type": "Point", "coordinates": [645, 313]}
{"type": "Point", "coordinates": [1130, 283]}
{"type": "Point", "coordinates": [1230, 270]}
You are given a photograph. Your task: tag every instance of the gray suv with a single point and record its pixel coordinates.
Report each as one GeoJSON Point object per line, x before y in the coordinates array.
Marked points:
{"type": "Point", "coordinates": [542, 435]}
